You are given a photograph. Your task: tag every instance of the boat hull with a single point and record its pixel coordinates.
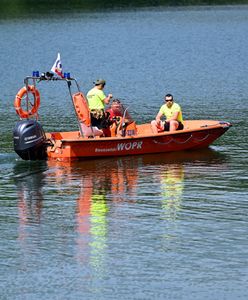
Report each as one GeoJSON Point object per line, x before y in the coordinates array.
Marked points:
{"type": "Point", "coordinates": [81, 148]}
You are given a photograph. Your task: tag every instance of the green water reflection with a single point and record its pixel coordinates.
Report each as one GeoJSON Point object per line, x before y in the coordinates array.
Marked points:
{"type": "Point", "coordinates": [172, 185]}
{"type": "Point", "coordinates": [98, 230]}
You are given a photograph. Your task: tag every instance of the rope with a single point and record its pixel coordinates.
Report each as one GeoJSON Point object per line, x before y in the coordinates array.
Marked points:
{"type": "Point", "coordinates": [184, 142]}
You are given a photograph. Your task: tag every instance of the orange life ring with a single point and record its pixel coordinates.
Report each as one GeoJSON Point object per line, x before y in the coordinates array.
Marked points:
{"type": "Point", "coordinates": [18, 99]}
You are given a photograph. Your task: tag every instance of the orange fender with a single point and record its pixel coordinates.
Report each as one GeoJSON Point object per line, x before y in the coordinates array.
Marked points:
{"type": "Point", "coordinates": [82, 109]}
{"type": "Point", "coordinates": [18, 99]}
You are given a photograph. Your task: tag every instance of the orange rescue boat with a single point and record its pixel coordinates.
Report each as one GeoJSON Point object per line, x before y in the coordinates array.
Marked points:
{"type": "Point", "coordinates": [123, 137]}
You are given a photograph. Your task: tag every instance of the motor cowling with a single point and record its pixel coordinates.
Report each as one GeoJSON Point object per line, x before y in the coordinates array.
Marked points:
{"type": "Point", "coordinates": [29, 140]}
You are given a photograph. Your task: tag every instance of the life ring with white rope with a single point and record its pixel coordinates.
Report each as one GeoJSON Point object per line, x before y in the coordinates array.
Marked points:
{"type": "Point", "coordinates": [24, 114]}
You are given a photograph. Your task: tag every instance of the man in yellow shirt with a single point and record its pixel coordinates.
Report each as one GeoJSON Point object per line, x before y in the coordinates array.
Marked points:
{"type": "Point", "coordinates": [97, 100]}
{"type": "Point", "coordinates": [173, 113]}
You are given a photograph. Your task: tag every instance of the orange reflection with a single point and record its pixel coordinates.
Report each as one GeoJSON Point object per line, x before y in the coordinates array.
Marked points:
{"type": "Point", "coordinates": [101, 182]}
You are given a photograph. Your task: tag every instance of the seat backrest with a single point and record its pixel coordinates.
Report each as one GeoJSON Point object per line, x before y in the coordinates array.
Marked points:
{"type": "Point", "coordinates": [81, 108]}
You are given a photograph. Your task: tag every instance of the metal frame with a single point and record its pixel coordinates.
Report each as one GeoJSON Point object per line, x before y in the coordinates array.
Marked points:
{"type": "Point", "coordinates": [49, 77]}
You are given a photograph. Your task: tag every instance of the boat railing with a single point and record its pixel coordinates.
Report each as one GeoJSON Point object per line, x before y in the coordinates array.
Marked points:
{"type": "Point", "coordinates": [47, 76]}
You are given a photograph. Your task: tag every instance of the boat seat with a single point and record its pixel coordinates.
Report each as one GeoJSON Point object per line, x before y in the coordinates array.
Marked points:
{"type": "Point", "coordinates": [114, 130]}
{"type": "Point", "coordinates": [90, 131]}
{"type": "Point", "coordinates": [131, 129]}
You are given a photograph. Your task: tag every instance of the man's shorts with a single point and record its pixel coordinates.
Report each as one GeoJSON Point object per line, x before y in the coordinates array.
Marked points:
{"type": "Point", "coordinates": [165, 126]}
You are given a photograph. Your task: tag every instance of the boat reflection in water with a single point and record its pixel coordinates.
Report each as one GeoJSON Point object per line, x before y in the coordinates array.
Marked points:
{"type": "Point", "coordinates": [172, 185]}
{"type": "Point", "coordinates": [91, 224]}
{"type": "Point", "coordinates": [103, 185]}
{"type": "Point", "coordinates": [100, 192]}
{"type": "Point", "coordinates": [29, 180]}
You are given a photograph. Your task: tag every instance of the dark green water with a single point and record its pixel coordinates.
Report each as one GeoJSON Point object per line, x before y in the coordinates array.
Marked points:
{"type": "Point", "coordinates": [169, 226]}
{"type": "Point", "coordinates": [36, 8]}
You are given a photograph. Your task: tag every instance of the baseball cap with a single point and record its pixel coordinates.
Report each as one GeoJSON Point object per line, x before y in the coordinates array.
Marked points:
{"type": "Point", "coordinates": [99, 81]}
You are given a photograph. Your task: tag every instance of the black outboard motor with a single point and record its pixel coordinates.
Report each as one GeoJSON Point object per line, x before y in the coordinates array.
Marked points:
{"type": "Point", "coordinates": [30, 140]}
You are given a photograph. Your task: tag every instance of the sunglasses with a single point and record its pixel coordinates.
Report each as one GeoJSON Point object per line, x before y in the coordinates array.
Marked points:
{"type": "Point", "coordinates": [168, 100]}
